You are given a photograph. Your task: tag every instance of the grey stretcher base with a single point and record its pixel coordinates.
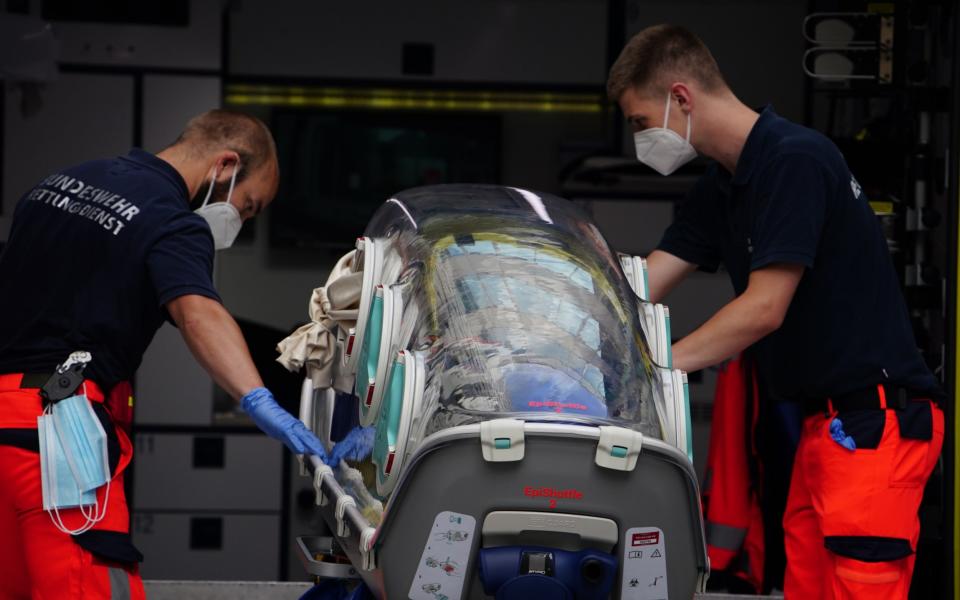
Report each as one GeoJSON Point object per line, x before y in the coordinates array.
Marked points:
{"type": "Point", "coordinates": [445, 475]}
{"type": "Point", "coordinates": [282, 590]}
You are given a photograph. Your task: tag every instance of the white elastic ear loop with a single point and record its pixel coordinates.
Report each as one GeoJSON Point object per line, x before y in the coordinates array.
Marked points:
{"type": "Point", "coordinates": [96, 513]}
{"type": "Point", "coordinates": [90, 520]}
{"type": "Point", "coordinates": [213, 180]}
{"type": "Point", "coordinates": [666, 118]}
{"type": "Point", "coordinates": [233, 180]}
{"type": "Point", "coordinates": [57, 520]}
{"type": "Point", "coordinates": [92, 517]}
{"type": "Point", "coordinates": [666, 112]}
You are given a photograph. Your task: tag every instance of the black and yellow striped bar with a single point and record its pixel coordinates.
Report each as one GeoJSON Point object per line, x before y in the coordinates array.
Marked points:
{"type": "Point", "coordinates": [412, 99]}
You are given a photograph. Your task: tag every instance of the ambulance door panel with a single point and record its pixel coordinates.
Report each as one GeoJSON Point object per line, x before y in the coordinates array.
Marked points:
{"type": "Point", "coordinates": [52, 136]}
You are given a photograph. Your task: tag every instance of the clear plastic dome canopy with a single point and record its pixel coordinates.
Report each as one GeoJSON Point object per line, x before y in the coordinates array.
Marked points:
{"type": "Point", "coordinates": [506, 303]}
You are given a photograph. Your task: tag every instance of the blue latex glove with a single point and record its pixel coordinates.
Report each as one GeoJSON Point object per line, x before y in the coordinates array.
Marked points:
{"type": "Point", "coordinates": [356, 446]}
{"type": "Point", "coordinates": [840, 437]}
{"type": "Point", "coordinates": [279, 424]}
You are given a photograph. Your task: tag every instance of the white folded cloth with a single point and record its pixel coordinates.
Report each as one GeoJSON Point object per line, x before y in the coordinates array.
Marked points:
{"type": "Point", "coordinates": [313, 346]}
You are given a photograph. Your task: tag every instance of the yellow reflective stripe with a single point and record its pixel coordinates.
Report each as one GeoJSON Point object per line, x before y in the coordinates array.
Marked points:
{"type": "Point", "coordinates": [725, 537]}
{"type": "Point", "coordinates": [862, 577]}
{"type": "Point", "coordinates": [119, 584]}
{"type": "Point", "coordinates": [414, 99]}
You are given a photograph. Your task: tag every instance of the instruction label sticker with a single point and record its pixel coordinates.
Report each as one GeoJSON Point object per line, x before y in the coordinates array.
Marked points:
{"type": "Point", "coordinates": [441, 571]}
{"type": "Point", "coordinates": [644, 565]}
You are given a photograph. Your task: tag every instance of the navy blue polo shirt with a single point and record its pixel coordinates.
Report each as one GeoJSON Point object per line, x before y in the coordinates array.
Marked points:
{"type": "Point", "coordinates": [793, 200]}
{"type": "Point", "coordinates": [95, 252]}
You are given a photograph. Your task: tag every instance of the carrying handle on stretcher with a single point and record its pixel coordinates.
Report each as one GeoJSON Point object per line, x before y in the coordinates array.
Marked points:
{"type": "Point", "coordinates": [350, 521]}
{"type": "Point", "coordinates": [306, 414]}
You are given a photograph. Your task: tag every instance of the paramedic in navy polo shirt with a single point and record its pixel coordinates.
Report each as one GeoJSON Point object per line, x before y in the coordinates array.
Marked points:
{"type": "Point", "coordinates": [99, 256]}
{"type": "Point", "coordinates": [816, 296]}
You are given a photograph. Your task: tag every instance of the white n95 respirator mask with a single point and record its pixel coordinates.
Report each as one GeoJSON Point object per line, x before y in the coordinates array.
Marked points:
{"type": "Point", "coordinates": [222, 217]}
{"type": "Point", "coordinates": [661, 148]}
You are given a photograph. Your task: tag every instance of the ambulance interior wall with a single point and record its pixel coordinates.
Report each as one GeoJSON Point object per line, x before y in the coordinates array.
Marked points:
{"type": "Point", "coordinates": [92, 114]}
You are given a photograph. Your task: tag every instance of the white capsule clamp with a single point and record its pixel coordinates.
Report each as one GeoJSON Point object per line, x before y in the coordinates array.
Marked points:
{"type": "Point", "coordinates": [502, 440]}
{"type": "Point", "coordinates": [618, 448]}
{"type": "Point", "coordinates": [319, 473]}
{"type": "Point", "coordinates": [343, 502]}
{"type": "Point", "coordinates": [367, 552]}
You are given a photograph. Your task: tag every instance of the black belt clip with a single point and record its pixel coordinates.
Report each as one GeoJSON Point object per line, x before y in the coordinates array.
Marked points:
{"type": "Point", "coordinates": [900, 401]}
{"type": "Point", "coordinates": [66, 378]}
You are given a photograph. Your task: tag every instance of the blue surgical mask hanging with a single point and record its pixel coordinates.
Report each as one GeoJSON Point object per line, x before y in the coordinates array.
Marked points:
{"type": "Point", "coordinates": [84, 441]}
{"type": "Point", "coordinates": [74, 461]}
{"type": "Point", "coordinates": [59, 487]}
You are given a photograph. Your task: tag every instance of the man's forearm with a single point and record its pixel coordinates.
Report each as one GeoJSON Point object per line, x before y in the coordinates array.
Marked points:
{"type": "Point", "coordinates": [759, 311]}
{"type": "Point", "coordinates": [216, 342]}
{"type": "Point", "coordinates": [732, 329]}
{"type": "Point", "coordinates": [664, 272]}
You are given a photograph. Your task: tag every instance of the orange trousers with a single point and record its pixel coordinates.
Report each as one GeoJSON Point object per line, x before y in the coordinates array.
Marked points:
{"type": "Point", "coordinates": [38, 561]}
{"type": "Point", "coordinates": [851, 520]}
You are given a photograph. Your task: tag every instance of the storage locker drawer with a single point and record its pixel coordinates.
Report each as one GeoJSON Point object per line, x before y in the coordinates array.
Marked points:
{"type": "Point", "coordinates": [207, 471]}
{"type": "Point", "coordinates": [209, 546]}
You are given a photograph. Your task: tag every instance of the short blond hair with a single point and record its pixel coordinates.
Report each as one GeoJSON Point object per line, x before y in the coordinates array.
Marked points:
{"type": "Point", "coordinates": [661, 53]}
{"type": "Point", "coordinates": [239, 132]}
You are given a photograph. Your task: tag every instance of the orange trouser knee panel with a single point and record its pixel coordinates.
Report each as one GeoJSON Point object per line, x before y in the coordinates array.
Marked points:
{"type": "Point", "coordinates": [851, 520]}
{"type": "Point", "coordinates": [854, 579]}
{"type": "Point", "coordinates": [39, 562]}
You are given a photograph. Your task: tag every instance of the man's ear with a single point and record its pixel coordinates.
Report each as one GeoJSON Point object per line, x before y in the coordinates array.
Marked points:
{"type": "Point", "coordinates": [226, 162]}
{"type": "Point", "coordinates": [682, 94]}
